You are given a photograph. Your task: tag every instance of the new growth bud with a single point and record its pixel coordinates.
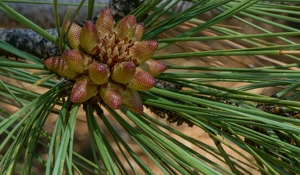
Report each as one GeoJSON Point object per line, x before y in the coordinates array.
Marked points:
{"type": "Point", "coordinates": [111, 63]}
{"type": "Point", "coordinates": [89, 38]}
{"type": "Point", "coordinates": [83, 90]}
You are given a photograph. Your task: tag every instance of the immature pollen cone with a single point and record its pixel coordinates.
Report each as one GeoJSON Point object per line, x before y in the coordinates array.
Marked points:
{"type": "Point", "coordinates": [108, 61]}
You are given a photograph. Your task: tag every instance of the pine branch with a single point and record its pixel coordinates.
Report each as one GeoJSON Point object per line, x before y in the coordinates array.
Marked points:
{"type": "Point", "coordinates": [29, 41]}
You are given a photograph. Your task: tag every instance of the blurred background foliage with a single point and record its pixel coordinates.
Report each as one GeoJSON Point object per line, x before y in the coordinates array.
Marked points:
{"type": "Point", "coordinates": [228, 103]}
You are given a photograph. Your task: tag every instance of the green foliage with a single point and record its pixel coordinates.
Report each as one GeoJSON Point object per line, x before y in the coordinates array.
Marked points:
{"type": "Point", "coordinates": [230, 116]}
